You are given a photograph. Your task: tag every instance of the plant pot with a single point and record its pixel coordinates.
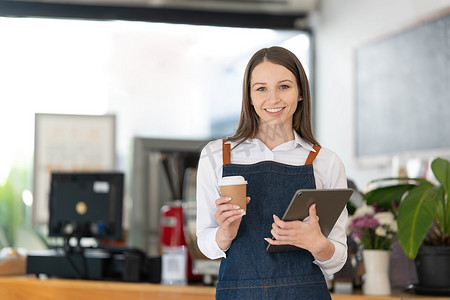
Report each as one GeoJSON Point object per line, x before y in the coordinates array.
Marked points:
{"type": "Point", "coordinates": [433, 268]}
{"type": "Point", "coordinates": [402, 269]}
{"type": "Point", "coordinates": [376, 264]}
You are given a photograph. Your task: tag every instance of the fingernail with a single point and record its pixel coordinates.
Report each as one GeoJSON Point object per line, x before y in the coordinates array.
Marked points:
{"type": "Point", "coordinates": [243, 212]}
{"type": "Point", "coordinates": [236, 206]}
{"type": "Point", "coordinates": [228, 198]}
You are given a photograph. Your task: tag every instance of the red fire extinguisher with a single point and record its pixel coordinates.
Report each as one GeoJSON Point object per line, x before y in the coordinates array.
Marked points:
{"type": "Point", "coordinates": [171, 231]}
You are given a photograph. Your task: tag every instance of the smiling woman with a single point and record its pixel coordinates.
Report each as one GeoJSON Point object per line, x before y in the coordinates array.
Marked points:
{"type": "Point", "coordinates": [275, 95]}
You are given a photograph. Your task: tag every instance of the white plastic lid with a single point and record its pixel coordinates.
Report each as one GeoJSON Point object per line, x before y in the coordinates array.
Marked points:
{"type": "Point", "coordinates": [232, 180]}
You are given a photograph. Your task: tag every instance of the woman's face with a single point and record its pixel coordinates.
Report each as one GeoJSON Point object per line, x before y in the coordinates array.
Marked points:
{"type": "Point", "coordinates": [274, 94]}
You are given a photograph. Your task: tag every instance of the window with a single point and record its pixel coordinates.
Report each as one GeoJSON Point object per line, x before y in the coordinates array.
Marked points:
{"type": "Point", "coordinates": [159, 79]}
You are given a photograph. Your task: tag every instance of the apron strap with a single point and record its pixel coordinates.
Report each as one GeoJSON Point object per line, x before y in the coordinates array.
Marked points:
{"type": "Point", "coordinates": [312, 155]}
{"type": "Point", "coordinates": [226, 152]}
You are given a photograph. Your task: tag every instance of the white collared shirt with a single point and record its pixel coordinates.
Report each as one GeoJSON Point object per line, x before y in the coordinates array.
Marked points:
{"type": "Point", "coordinates": [329, 173]}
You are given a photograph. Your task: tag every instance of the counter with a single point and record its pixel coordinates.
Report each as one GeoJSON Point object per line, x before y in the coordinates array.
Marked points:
{"type": "Point", "coordinates": [31, 288]}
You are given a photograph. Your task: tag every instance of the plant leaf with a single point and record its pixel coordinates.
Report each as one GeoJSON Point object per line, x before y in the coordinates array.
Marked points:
{"type": "Point", "coordinates": [440, 212]}
{"type": "Point", "coordinates": [441, 169]}
{"type": "Point", "coordinates": [383, 196]}
{"type": "Point", "coordinates": [415, 216]}
{"type": "Point", "coordinates": [397, 179]}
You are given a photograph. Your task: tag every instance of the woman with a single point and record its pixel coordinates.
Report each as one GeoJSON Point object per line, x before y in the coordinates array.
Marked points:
{"type": "Point", "coordinates": [274, 149]}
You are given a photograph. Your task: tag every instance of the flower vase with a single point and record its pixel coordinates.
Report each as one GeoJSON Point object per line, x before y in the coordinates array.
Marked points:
{"type": "Point", "coordinates": [376, 264]}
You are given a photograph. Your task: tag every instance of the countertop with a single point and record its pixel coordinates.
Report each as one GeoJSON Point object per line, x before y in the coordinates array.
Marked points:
{"type": "Point", "coordinates": [32, 288]}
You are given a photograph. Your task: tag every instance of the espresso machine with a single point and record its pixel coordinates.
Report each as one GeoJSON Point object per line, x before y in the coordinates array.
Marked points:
{"type": "Point", "coordinates": [164, 183]}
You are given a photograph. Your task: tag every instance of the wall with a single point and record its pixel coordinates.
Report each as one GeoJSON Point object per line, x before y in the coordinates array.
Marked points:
{"type": "Point", "coordinates": [340, 26]}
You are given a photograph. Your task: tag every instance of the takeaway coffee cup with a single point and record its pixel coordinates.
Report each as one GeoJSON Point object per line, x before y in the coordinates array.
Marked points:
{"type": "Point", "coordinates": [236, 188]}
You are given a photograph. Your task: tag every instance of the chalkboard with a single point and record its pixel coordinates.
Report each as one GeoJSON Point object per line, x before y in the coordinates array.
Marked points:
{"type": "Point", "coordinates": [403, 91]}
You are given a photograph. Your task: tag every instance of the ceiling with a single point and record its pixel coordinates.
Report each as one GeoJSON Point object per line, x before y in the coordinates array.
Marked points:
{"type": "Point", "coordinates": [274, 14]}
{"type": "Point", "coordinates": [250, 6]}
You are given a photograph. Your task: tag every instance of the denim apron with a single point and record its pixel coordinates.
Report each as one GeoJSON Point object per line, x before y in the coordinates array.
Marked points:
{"type": "Point", "coordinates": [248, 271]}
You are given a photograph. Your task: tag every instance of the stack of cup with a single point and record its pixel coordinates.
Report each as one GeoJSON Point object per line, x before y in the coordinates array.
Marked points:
{"type": "Point", "coordinates": [236, 188]}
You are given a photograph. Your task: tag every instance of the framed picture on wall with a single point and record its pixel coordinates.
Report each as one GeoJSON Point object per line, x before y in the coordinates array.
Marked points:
{"type": "Point", "coordinates": [69, 143]}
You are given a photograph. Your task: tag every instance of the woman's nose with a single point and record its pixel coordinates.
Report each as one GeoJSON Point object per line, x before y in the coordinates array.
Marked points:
{"type": "Point", "coordinates": [273, 96]}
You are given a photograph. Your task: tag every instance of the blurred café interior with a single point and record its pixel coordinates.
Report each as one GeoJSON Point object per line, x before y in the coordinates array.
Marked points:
{"type": "Point", "coordinates": [122, 96]}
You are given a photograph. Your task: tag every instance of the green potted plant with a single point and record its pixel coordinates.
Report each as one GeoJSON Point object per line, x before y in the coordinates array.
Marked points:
{"type": "Point", "coordinates": [12, 210]}
{"type": "Point", "coordinates": [423, 223]}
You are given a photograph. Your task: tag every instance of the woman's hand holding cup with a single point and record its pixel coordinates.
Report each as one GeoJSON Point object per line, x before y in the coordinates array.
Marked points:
{"type": "Point", "coordinates": [229, 218]}
{"type": "Point", "coordinates": [230, 209]}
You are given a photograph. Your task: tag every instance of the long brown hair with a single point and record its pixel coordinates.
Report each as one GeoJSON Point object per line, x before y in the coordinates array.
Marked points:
{"type": "Point", "coordinates": [301, 121]}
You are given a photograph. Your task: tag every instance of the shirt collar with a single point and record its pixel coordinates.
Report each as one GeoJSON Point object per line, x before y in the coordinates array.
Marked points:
{"type": "Point", "coordinates": [297, 141]}
{"type": "Point", "coordinates": [303, 143]}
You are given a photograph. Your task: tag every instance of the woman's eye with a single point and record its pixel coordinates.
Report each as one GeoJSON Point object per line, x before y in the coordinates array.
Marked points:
{"type": "Point", "coordinates": [261, 89]}
{"type": "Point", "coordinates": [284, 86]}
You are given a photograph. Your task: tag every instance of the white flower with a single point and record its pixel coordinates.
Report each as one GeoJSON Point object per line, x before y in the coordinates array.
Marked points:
{"type": "Point", "coordinates": [393, 226]}
{"type": "Point", "coordinates": [364, 210]}
{"type": "Point", "coordinates": [380, 231]}
{"type": "Point", "coordinates": [385, 218]}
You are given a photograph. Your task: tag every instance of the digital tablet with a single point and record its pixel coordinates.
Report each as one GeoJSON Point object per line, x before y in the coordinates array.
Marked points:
{"type": "Point", "coordinates": [329, 205]}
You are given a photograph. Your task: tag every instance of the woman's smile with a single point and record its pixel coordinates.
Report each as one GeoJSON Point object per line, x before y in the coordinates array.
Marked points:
{"type": "Point", "coordinates": [275, 111]}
